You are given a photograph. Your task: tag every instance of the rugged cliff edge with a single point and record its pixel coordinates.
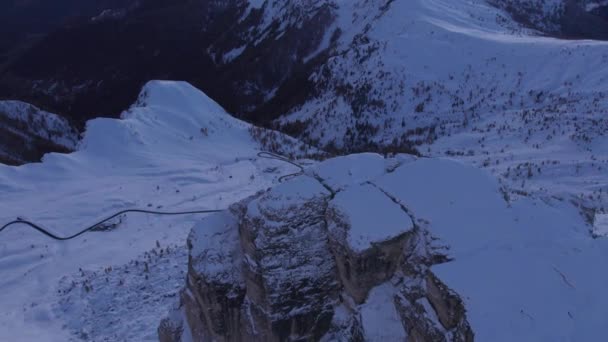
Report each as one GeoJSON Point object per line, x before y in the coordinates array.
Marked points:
{"type": "Point", "coordinates": [313, 259]}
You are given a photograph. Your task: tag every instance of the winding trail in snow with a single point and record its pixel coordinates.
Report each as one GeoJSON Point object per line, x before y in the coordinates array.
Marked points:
{"type": "Point", "coordinates": [270, 155]}
{"type": "Point", "coordinates": [93, 226]}
{"type": "Point", "coordinates": [48, 233]}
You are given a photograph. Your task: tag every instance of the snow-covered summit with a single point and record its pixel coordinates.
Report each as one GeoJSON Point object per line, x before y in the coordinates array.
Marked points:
{"type": "Point", "coordinates": [168, 117]}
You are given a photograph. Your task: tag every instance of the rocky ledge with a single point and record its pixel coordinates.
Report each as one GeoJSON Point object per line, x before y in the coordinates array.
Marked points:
{"type": "Point", "coordinates": [328, 255]}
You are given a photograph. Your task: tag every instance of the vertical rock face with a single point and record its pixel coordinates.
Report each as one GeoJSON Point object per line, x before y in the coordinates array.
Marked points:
{"type": "Point", "coordinates": [288, 268]}
{"type": "Point", "coordinates": [305, 262]}
{"type": "Point", "coordinates": [215, 288]}
{"type": "Point", "coordinates": [432, 312]}
{"type": "Point", "coordinates": [368, 233]}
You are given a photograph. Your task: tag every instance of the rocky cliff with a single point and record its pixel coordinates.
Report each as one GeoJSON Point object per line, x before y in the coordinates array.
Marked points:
{"type": "Point", "coordinates": [27, 133]}
{"type": "Point", "coordinates": [305, 262]}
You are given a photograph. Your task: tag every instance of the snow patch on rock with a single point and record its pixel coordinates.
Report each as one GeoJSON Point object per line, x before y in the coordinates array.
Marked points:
{"type": "Point", "coordinates": [371, 216]}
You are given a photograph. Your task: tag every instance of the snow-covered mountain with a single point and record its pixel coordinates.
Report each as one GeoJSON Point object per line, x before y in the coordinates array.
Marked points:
{"type": "Point", "coordinates": [358, 247]}
{"type": "Point", "coordinates": [254, 57]}
{"type": "Point", "coordinates": [27, 133]}
{"type": "Point", "coordinates": [467, 79]}
{"type": "Point", "coordinates": [495, 233]}
{"type": "Point", "coordinates": [175, 149]}
{"type": "Point", "coordinates": [462, 79]}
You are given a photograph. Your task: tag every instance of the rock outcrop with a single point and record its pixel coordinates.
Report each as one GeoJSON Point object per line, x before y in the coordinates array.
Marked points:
{"type": "Point", "coordinates": [306, 261]}
{"type": "Point", "coordinates": [578, 19]}
{"type": "Point", "coordinates": [27, 133]}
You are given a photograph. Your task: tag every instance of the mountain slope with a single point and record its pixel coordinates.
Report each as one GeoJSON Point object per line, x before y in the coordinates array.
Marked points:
{"type": "Point", "coordinates": [562, 18]}
{"type": "Point", "coordinates": [240, 53]}
{"type": "Point", "coordinates": [23, 23]}
{"type": "Point", "coordinates": [357, 76]}
{"type": "Point", "coordinates": [262, 51]}
{"type": "Point", "coordinates": [461, 79]}
{"type": "Point", "coordinates": [174, 150]}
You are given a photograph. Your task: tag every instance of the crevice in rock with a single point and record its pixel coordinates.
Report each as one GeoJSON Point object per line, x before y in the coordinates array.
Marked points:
{"type": "Point", "coordinates": [322, 181]}
{"type": "Point", "coordinates": [421, 225]}
{"type": "Point", "coordinates": [395, 200]}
